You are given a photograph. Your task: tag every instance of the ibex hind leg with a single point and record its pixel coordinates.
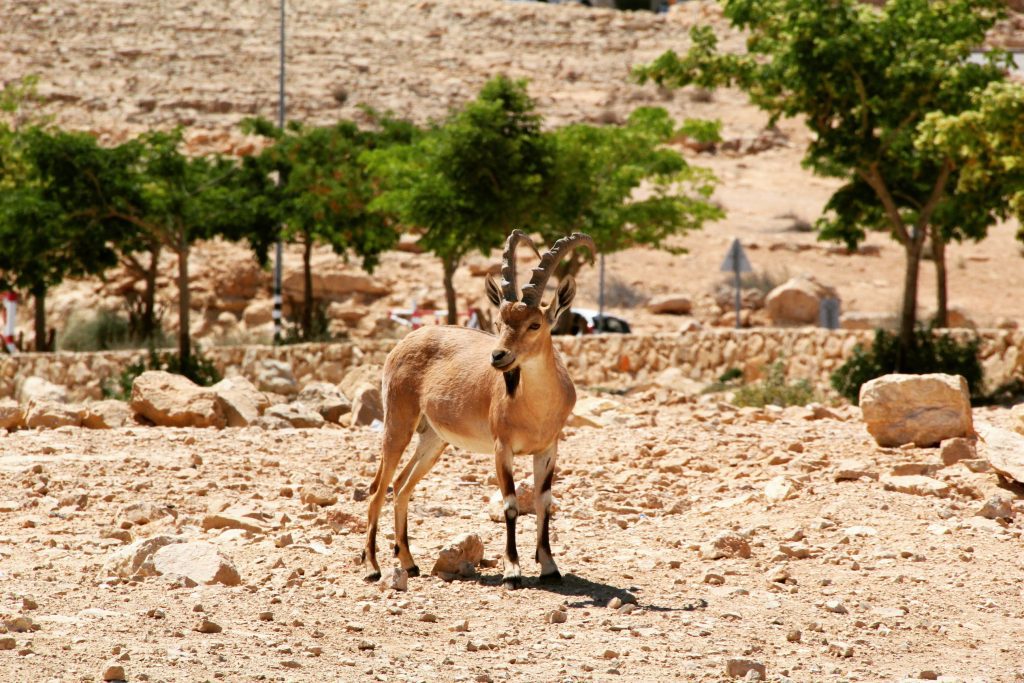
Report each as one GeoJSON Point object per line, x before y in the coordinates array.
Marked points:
{"type": "Point", "coordinates": [543, 476]}
{"type": "Point", "coordinates": [428, 450]}
{"type": "Point", "coordinates": [396, 437]}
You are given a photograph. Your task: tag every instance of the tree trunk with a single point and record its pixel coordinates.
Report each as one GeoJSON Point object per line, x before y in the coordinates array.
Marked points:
{"type": "Point", "coordinates": [184, 339]}
{"type": "Point", "coordinates": [307, 293]}
{"type": "Point", "coordinates": [149, 296]}
{"type": "Point", "coordinates": [908, 316]}
{"type": "Point", "coordinates": [39, 296]}
{"type": "Point", "coordinates": [939, 254]}
{"type": "Point", "coordinates": [450, 265]}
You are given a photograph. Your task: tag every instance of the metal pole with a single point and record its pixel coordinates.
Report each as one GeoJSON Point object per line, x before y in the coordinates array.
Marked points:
{"type": "Point", "coordinates": [736, 270]}
{"type": "Point", "coordinates": [600, 297]}
{"type": "Point", "coordinates": [279, 250]}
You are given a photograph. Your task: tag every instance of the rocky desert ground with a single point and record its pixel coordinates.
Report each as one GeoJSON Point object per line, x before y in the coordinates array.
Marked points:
{"type": "Point", "coordinates": [699, 541]}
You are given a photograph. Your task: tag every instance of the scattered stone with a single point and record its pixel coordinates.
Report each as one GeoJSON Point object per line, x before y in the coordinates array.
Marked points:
{"type": "Point", "coordinates": [836, 607]}
{"type": "Point", "coordinates": [739, 668]}
{"type": "Point", "coordinates": [725, 544]}
{"type": "Point", "coordinates": [317, 494]}
{"type": "Point", "coordinates": [7, 643]}
{"type": "Point", "coordinates": [223, 520]}
{"type": "Point", "coordinates": [207, 626]}
{"type": "Point", "coordinates": [919, 409]}
{"type": "Point", "coordinates": [916, 485]}
{"type": "Point", "coordinates": [276, 376]}
{"type": "Point", "coordinates": [997, 507]}
{"type": "Point", "coordinates": [199, 561]}
{"type": "Point", "coordinates": [20, 624]}
{"type": "Point", "coordinates": [793, 635]}
{"type": "Point", "coordinates": [713, 578]}
{"type": "Point", "coordinates": [399, 579]}
{"type": "Point", "coordinates": [955, 450]}
{"type": "Point", "coordinates": [170, 400]}
{"type": "Point", "coordinates": [610, 654]}
{"type": "Point", "coordinates": [595, 411]}
{"type": "Point", "coordinates": [367, 405]}
{"type": "Point", "coordinates": [114, 672]}
{"type": "Point", "coordinates": [297, 415]}
{"type": "Point", "coordinates": [852, 470]}
{"type": "Point", "coordinates": [1017, 416]}
{"type": "Point", "coordinates": [524, 499]}
{"type": "Point", "coordinates": [283, 541]}
{"type": "Point", "coordinates": [366, 645]}
{"type": "Point", "coordinates": [840, 649]}
{"type": "Point", "coordinates": [557, 617]}
{"type": "Point", "coordinates": [671, 304]}
{"type": "Point", "coordinates": [266, 616]}
{"type": "Point", "coordinates": [326, 399]}
{"type": "Point", "coordinates": [29, 603]}
{"type": "Point", "coordinates": [135, 560]}
{"type": "Point", "coordinates": [1003, 449]}
{"type": "Point", "coordinates": [779, 489]}
{"type": "Point", "coordinates": [243, 402]}
{"type": "Point", "coordinates": [467, 548]}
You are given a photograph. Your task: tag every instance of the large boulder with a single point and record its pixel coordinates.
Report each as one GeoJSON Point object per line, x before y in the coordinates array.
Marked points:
{"type": "Point", "coordinates": [796, 302]}
{"type": "Point", "coordinates": [243, 402]}
{"type": "Point", "coordinates": [200, 561]}
{"type": "Point", "coordinates": [672, 304]}
{"type": "Point", "coordinates": [276, 376]}
{"type": "Point", "coordinates": [39, 389]}
{"type": "Point", "coordinates": [296, 415]}
{"type": "Point", "coordinates": [50, 415]}
{"type": "Point", "coordinates": [367, 405]}
{"type": "Point", "coordinates": [918, 409]}
{"type": "Point", "coordinates": [332, 281]}
{"type": "Point", "coordinates": [1003, 449]}
{"type": "Point", "coordinates": [136, 560]}
{"type": "Point", "coordinates": [326, 399]}
{"type": "Point", "coordinates": [170, 400]}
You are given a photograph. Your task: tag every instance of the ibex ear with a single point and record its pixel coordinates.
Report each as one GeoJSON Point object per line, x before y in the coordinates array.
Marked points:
{"type": "Point", "coordinates": [493, 290]}
{"type": "Point", "coordinates": [563, 299]}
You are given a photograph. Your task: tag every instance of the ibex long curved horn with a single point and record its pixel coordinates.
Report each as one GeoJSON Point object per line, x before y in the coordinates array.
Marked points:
{"type": "Point", "coordinates": [533, 291]}
{"type": "Point", "coordinates": [509, 290]}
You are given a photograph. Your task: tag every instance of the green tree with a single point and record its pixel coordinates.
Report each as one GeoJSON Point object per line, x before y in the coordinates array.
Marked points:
{"type": "Point", "coordinates": [864, 78]}
{"type": "Point", "coordinates": [50, 225]}
{"type": "Point", "coordinates": [313, 182]}
{"type": "Point", "coordinates": [467, 183]}
{"type": "Point", "coordinates": [597, 170]}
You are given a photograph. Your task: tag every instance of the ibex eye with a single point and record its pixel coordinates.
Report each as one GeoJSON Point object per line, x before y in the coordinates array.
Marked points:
{"type": "Point", "coordinates": [535, 326]}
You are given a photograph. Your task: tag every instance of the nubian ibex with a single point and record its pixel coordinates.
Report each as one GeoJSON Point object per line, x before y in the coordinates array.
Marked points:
{"type": "Point", "coordinates": [508, 393]}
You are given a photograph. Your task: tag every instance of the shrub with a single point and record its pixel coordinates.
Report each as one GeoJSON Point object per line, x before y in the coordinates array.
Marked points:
{"type": "Point", "coordinates": [931, 353]}
{"type": "Point", "coordinates": [200, 370]}
{"type": "Point", "coordinates": [101, 331]}
{"type": "Point", "coordinates": [774, 390]}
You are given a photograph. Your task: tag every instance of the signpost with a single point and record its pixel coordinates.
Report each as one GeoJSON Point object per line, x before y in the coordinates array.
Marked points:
{"type": "Point", "coordinates": [278, 250]}
{"type": "Point", "coordinates": [736, 261]}
{"type": "Point", "coordinates": [600, 297]}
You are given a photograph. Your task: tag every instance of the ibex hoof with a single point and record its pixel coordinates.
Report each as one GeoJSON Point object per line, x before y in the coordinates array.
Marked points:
{"type": "Point", "coordinates": [512, 582]}
{"type": "Point", "coordinates": [372, 577]}
{"type": "Point", "coordinates": [413, 571]}
{"type": "Point", "coordinates": [552, 579]}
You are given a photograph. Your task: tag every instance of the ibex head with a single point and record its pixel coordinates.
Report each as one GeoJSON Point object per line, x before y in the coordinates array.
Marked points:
{"type": "Point", "coordinates": [524, 325]}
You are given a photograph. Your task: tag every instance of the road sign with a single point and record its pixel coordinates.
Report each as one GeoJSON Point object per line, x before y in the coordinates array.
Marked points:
{"type": "Point", "coordinates": [736, 262]}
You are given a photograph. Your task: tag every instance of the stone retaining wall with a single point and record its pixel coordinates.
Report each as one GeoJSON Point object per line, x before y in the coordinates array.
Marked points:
{"type": "Point", "coordinates": [609, 361]}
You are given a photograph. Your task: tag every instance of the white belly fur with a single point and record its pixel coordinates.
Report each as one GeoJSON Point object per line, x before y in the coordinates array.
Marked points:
{"type": "Point", "coordinates": [474, 443]}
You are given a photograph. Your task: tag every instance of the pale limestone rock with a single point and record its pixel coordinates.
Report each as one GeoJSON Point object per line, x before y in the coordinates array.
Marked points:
{"type": "Point", "coordinates": [276, 376]}
{"type": "Point", "coordinates": [357, 376]}
{"type": "Point", "coordinates": [243, 402]}
{"type": "Point", "coordinates": [136, 560]}
{"type": "Point", "coordinates": [367, 405]}
{"type": "Point", "coordinates": [318, 494]}
{"type": "Point", "coordinates": [296, 414]}
{"type": "Point", "coordinates": [524, 499]}
{"type": "Point", "coordinates": [954, 450]}
{"type": "Point", "coordinates": [44, 414]}
{"type": "Point", "coordinates": [224, 520]}
{"type": "Point", "coordinates": [326, 399]}
{"type": "Point", "coordinates": [852, 470]}
{"type": "Point", "coordinates": [199, 561]}
{"type": "Point", "coordinates": [467, 548]}
{"type": "Point", "coordinates": [37, 388]}
{"type": "Point", "coordinates": [594, 411]}
{"type": "Point", "coordinates": [918, 409]}
{"type": "Point", "coordinates": [672, 304]}
{"type": "Point", "coordinates": [1017, 415]}
{"type": "Point", "coordinates": [11, 414]}
{"type": "Point", "coordinates": [740, 668]}
{"type": "Point", "coordinates": [1003, 449]}
{"type": "Point", "coordinates": [779, 489]}
{"type": "Point", "coordinates": [725, 544]}
{"type": "Point", "coordinates": [796, 301]}
{"type": "Point", "coordinates": [108, 414]}
{"type": "Point", "coordinates": [170, 400]}
{"type": "Point", "coordinates": [675, 380]}
{"type": "Point", "coordinates": [258, 313]}
{"type": "Point", "coordinates": [916, 484]}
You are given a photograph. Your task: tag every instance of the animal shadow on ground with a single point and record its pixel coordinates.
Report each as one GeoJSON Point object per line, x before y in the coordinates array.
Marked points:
{"type": "Point", "coordinates": [592, 593]}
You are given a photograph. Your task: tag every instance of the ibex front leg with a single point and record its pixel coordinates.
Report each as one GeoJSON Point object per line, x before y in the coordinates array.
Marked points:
{"type": "Point", "coordinates": [543, 475]}
{"type": "Point", "coordinates": [513, 576]}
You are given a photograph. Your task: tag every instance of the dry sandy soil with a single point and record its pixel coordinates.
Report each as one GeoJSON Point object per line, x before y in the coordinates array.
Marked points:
{"type": "Point", "coordinates": [895, 585]}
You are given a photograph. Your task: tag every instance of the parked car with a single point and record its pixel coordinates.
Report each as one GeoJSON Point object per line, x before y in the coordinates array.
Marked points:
{"type": "Point", "coordinates": [589, 321]}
